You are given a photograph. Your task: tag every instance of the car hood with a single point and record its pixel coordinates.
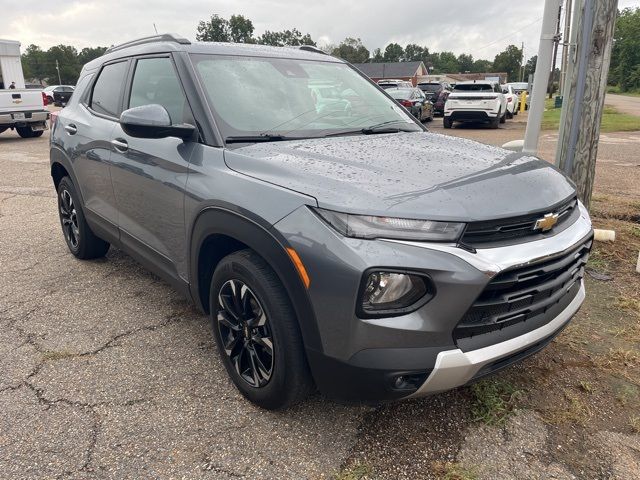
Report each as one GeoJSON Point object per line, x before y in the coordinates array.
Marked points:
{"type": "Point", "coordinates": [412, 175]}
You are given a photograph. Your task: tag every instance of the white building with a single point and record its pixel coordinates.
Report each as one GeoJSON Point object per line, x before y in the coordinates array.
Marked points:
{"type": "Point", "coordinates": [10, 65]}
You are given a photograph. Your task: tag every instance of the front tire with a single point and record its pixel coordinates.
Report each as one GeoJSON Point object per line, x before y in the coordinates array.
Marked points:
{"type": "Point", "coordinates": [82, 242]}
{"type": "Point", "coordinates": [257, 332]}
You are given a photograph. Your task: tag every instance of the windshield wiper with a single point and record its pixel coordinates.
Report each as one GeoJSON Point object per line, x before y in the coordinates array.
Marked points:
{"type": "Point", "coordinates": [258, 138]}
{"type": "Point", "coordinates": [384, 127]}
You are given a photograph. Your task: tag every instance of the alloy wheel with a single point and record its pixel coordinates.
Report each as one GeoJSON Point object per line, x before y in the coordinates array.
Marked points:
{"type": "Point", "coordinates": [245, 333]}
{"type": "Point", "coordinates": [69, 218]}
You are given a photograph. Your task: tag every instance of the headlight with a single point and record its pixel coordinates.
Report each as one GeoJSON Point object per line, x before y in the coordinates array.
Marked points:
{"type": "Point", "coordinates": [389, 293]}
{"type": "Point", "coordinates": [366, 226]}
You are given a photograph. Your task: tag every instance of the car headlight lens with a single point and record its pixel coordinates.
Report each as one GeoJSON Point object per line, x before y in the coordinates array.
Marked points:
{"type": "Point", "coordinates": [388, 293]}
{"type": "Point", "coordinates": [367, 226]}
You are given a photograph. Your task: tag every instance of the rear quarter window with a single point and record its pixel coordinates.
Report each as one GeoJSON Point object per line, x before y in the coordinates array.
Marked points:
{"type": "Point", "coordinates": [107, 90]}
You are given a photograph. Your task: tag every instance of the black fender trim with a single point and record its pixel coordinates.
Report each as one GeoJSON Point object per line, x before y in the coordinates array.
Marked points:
{"type": "Point", "coordinates": [258, 235]}
{"type": "Point", "coordinates": [57, 155]}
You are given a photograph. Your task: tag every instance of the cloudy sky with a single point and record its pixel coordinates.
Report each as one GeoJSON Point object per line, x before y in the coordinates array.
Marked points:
{"type": "Point", "coordinates": [480, 27]}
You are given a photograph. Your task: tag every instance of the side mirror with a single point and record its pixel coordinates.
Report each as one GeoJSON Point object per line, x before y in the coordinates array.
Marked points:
{"type": "Point", "coordinates": [153, 121]}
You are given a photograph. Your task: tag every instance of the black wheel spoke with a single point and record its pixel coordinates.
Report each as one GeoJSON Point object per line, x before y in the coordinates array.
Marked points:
{"type": "Point", "coordinates": [227, 303]}
{"type": "Point", "coordinates": [228, 321]}
{"type": "Point", "coordinates": [265, 343]}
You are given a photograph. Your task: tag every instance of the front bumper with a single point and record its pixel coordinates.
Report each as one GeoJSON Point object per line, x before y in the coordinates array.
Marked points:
{"type": "Point", "coordinates": [361, 359]}
{"type": "Point", "coordinates": [455, 367]}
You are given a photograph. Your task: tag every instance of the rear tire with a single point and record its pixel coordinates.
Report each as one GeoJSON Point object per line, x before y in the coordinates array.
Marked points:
{"type": "Point", "coordinates": [259, 319]}
{"type": "Point", "coordinates": [2, 129]}
{"type": "Point", "coordinates": [494, 123]}
{"type": "Point", "coordinates": [82, 242]}
{"type": "Point", "coordinates": [509, 114]}
{"type": "Point", "coordinates": [503, 118]}
{"type": "Point", "coordinates": [25, 132]}
{"type": "Point", "coordinates": [447, 122]}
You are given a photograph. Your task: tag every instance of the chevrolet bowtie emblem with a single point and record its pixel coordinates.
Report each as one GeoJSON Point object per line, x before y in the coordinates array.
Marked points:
{"type": "Point", "coordinates": [17, 101]}
{"type": "Point", "coordinates": [546, 223]}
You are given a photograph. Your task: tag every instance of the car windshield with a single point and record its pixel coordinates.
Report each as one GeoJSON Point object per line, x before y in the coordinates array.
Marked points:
{"type": "Point", "coordinates": [254, 96]}
{"type": "Point", "coordinates": [429, 87]}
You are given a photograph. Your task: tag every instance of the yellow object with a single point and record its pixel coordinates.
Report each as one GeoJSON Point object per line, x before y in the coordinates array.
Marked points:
{"type": "Point", "coordinates": [523, 101]}
{"type": "Point", "coordinates": [299, 266]}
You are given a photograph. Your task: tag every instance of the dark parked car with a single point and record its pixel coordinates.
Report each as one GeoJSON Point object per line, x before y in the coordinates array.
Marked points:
{"type": "Point", "coordinates": [415, 101]}
{"type": "Point", "coordinates": [352, 252]}
{"type": "Point", "coordinates": [437, 92]}
{"type": "Point", "coordinates": [61, 95]}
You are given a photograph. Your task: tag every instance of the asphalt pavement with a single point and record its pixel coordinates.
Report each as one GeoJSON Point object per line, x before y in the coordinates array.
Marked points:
{"type": "Point", "coordinates": [106, 372]}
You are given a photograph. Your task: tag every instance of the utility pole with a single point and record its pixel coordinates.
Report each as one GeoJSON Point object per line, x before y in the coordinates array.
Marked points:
{"type": "Point", "coordinates": [584, 91]}
{"type": "Point", "coordinates": [524, 67]}
{"type": "Point", "coordinates": [565, 47]}
{"type": "Point", "coordinates": [58, 69]}
{"type": "Point", "coordinates": [555, 53]}
{"type": "Point", "coordinates": [541, 77]}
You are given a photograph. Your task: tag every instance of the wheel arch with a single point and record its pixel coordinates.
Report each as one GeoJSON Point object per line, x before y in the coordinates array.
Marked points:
{"type": "Point", "coordinates": [60, 168]}
{"type": "Point", "coordinates": [220, 230]}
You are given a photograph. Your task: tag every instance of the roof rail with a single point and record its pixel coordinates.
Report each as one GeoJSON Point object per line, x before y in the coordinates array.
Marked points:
{"type": "Point", "coordinates": [311, 48]}
{"type": "Point", "coordinates": [165, 37]}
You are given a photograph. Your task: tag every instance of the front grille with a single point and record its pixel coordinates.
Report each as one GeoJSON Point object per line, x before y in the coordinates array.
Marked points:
{"type": "Point", "coordinates": [520, 294]}
{"type": "Point", "coordinates": [483, 234]}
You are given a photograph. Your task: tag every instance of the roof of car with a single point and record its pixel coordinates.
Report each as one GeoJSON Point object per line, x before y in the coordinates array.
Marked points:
{"type": "Point", "coordinates": [481, 82]}
{"type": "Point", "coordinates": [173, 43]}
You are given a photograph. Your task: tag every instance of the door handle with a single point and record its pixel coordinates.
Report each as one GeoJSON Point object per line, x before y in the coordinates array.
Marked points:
{"type": "Point", "coordinates": [71, 129]}
{"type": "Point", "coordinates": [120, 145]}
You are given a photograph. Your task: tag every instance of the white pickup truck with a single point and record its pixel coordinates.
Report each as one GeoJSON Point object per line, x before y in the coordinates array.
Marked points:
{"type": "Point", "coordinates": [21, 109]}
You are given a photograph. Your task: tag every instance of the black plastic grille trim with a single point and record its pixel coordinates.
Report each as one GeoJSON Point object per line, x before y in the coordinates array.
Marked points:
{"type": "Point", "coordinates": [516, 295]}
{"type": "Point", "coordinates": [478, 234]}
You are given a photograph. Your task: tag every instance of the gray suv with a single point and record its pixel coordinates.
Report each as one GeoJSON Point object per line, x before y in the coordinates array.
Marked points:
{"type": "Point", "coordinates": [345, 249]}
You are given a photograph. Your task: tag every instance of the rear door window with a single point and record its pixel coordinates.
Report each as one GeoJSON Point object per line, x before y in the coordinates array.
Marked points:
{"type": "Point", "coordinates": [108, 88]}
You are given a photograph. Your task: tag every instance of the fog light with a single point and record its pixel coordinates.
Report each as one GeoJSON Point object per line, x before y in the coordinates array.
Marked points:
{"type": "Point", "coordinates": [394, 293]}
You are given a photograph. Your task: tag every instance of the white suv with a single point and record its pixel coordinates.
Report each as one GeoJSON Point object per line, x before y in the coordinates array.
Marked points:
{"type": "Point", "coordinates": [476, 101]}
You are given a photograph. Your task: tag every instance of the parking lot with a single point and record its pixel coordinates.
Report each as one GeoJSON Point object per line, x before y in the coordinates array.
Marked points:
{"type": "Point", "coordinates": [106, 372]}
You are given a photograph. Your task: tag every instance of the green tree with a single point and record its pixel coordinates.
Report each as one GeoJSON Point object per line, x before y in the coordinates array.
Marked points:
{"type": "Point", "coordinates": [482, 66]}
{"type": "Point", "coordinates": [352, 50]}
{"type": "Point", "coordinates": [465, 62]}
{"type": "Point", "coordinates": [240, 29]}
{"type": "Point", "coordinates": [90, 53]}
{"type": "Point", "coordinates": [415, 53]}
{"type": "Point", "coordinates": [447, 63]}
{"type": "Point", "coordinates": [216, 29]}
{"type": "Point", "coordinates": [393, 53]}
{"type": "Point", "coordinates": [377, 56]}
{"type": "Point", "coordinates": [530, 67]}
{"type": "Point", "coordinates": [625, 57]}
{"type": "Point", "coordinates": [67, 61]}
{"type": "Point", "coordinates": [286, 37]}
{"type": "Point", "coordinates": [34, 63]}
{"type": "Point", "coordinates": [510, 61]}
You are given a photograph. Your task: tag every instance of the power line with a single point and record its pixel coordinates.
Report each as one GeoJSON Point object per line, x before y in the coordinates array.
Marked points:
{"type": "Point", "coordinates": [509, 34]}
